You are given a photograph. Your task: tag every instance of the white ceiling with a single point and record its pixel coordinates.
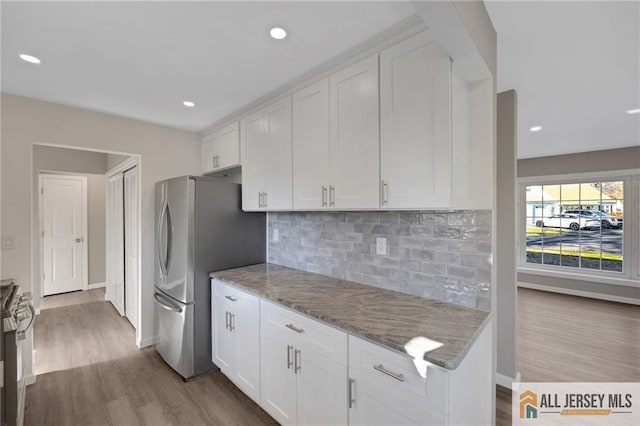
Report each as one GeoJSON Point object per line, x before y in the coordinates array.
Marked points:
{"type": "Point", "coordinates": [142, 59]}
{"type": "Point", "coordinates": [576, 68]}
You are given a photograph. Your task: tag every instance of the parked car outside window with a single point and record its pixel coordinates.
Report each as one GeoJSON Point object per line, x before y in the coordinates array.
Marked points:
{"type": "Point", "coordinates": [570, 221]}
{"type": "Point", "coordinates": [607, 220]}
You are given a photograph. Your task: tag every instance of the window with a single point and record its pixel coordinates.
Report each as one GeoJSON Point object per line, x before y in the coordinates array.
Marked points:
{"type": "Point", "coordinates": [578, 225]}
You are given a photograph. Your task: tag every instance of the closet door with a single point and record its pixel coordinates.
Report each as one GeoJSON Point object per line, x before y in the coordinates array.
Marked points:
{"type": "Point", "coordinates": [115, 246]}
{"type": "Point", "coordinates": [131, 245]}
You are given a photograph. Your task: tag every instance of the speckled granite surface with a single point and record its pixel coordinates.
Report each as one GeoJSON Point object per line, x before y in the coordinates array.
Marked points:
{"type": "Point", "coordinates": [387, 317]}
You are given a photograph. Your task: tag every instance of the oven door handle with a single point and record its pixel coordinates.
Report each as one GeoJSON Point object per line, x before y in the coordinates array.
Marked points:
{"type": "Point", "coordinates": [23, 334]}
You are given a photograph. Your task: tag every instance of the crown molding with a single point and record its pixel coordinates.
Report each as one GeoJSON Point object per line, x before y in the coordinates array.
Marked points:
{"type": "Point", "coordinates": [390, 36]}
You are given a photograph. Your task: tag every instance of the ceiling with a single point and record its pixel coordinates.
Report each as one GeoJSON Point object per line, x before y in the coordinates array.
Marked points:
{"type": "Point", "coordinates": [576, 69]}
{"type": "Point", "coordinates": [575, 65]}
{"type": "Point", "coordinates": [143, 59]}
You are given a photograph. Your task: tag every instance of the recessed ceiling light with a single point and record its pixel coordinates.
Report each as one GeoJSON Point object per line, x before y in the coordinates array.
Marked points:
{"type": "Point", "coordinates": [29, 58]}
{"type": "Point", "coordinates": [189, 104]}
{"type": "Point", "coordinates": [278, 33]}
{"type": "Point", "coordinates": [633, 111]}
{"type": "Point", "coordinates": [535, 129]}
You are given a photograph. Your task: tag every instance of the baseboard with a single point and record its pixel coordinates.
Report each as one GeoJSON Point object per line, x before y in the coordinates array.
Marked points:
{"type": "Point", "coordinates": [96, 285]}
{"type": "Point", "coordinates": [148, 341]}
{"type": "Point", "coordinates": [508, 382]}
{"type": "Point", "coordinates": [580, 293]}
{"type": "Point", "coordinates": [30, 379]}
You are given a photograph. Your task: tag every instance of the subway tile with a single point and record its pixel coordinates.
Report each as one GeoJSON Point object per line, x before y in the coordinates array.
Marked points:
{"type": "Point", "coordinates": [460, 272]}
{"type": "Point", "coordinates": [433, 268]}
{"type": "Point", "coordinates": [446, 257]}
{"type": "Point", "coordinates": [475, 261]}
{"type": "Point", "coordinates": [435, 254]}
{"type": "Point", "coordinates": [444, 231]}
{"type": "Point", "coordinates": [462, 246]}
{"type": "Point", "coordinates": [421, 255]}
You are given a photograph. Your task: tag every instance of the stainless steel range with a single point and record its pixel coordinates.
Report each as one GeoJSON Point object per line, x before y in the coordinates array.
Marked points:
{"type": "Point", "coordinates": [18, 315]}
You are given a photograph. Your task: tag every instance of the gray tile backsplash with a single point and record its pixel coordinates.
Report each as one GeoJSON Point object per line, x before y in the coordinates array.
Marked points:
{"type": "Point", "coordinates": [438, 255]}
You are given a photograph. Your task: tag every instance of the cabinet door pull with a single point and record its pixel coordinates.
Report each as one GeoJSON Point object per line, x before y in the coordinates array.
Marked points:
{"type": "Point", "coordinates": [294, 328]}
{"type": "Point", "coordinates": [232, 322]}
{"type": "Point", "coordinates": [259, 199]}
{"type": "Point", "coordinates": [385, 193]}
{"type": "Point", "coordinates": [332, 195]}
{"type": "Point", "coordinates": [324, 196]}
{"type": "Point", "coordinates": [233, 299]}
{"type": "Point", "coordinates": [383, 370]}
{"type": "Point", "coordinates": [226, 320]}
{"type": "Point", "coordinates": [213, 161]}
{"type": "Point", "coordinates": [289, 361]}
{"type": "Point", "coordinates": [351, 393]}
{"type": "Point", "coordinates": [296, 359]}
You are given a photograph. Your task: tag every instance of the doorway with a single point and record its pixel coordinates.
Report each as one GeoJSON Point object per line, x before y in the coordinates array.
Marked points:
{"type": "Point", "coordinates": [64, 233]}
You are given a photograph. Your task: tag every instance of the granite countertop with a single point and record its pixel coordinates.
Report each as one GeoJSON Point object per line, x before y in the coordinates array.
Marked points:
{"type": "Point", "coordinates": [387, 317]}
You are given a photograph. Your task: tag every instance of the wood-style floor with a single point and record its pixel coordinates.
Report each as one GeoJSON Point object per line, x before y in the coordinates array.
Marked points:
{"type": "Point", "coordinates": [564, 338]}
{"type": "Point", "coordinates": [91, 373]}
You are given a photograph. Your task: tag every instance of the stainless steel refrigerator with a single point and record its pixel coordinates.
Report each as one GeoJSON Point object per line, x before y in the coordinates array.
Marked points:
{"type": "Point", "coordinates": [200, 228]}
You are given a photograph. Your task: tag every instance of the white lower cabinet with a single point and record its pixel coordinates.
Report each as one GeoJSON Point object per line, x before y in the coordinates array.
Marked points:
{"type": "Point", "coordinates": [304, 368]}
{"type": "Point", "coordinates": [386, 389]}
{"type": "Point", "coordinates": [236, 337]}
{"type": "Point", "coordinates": [304, 372]}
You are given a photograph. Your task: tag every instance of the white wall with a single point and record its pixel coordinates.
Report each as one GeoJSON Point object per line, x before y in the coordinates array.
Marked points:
{"type": "Point", "coordinates": [164, 152]}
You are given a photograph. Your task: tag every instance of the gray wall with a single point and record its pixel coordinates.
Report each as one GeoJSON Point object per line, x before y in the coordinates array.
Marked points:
{"type": "Point", "coordinates": [115, 159]}
{"type": "Point", "coordinates": [438, 255]}
{"type": "Point", "coordinates": [584, 162]}
{"type": "Point", "coordinates": [595, 161]}
{"type": "Point", "coordinates": [505, 251]}
{"type": "Point", "coordinates": [93, 166]}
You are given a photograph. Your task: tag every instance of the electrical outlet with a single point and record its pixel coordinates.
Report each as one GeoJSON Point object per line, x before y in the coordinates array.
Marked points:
{"type": "Point", "coordinates": [8, 242]}
{"type": "Point", "coordinates": [276, 235]}
{"type": "Point", "coordinates": [381, 246]}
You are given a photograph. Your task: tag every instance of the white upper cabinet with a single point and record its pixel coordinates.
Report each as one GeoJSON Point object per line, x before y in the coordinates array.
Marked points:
{"type": "Point", "coordinates": [415, 114]}
{"type": "Point", "coordinates": [355, 137]}
{"type": "Point", "coordinates": [311, 154]}
{"type": "Point", "coordinates": [278, 161]}
{"type": "Point", "coordinates": [221, 149]}
{"type": "Point", "coordinates": [266, 158]}
{"type": "Point", "coordinates": [253, 161]}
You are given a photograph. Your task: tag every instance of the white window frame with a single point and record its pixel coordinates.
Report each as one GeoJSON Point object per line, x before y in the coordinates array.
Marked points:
{"type": "Point", "coordinates": [630, 275]}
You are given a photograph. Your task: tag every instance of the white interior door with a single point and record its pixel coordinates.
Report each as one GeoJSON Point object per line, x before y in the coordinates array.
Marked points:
{"type": "Point", "coordinates": [115, 242]}
{"type": "Point", "coordinates": [64, 233]}
{"type": "Point", "coordinates": [131, 245]}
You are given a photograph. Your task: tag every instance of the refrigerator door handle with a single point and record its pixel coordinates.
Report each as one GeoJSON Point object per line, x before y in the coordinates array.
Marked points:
{"type": "Point", "coordinates": [163, 302]}
{"type": "Point", "coordinates": [169, 248]}
{"type": "Point", "coordinates": [159, 245]}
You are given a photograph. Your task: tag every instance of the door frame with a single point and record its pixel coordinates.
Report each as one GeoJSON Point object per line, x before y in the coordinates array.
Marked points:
{"type": "Point", "coordinates": [42, 175]}
{"type": "Point", "coordinates": [133, 161]}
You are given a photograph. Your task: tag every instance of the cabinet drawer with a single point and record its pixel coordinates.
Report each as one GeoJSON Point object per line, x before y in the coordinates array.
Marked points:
{"type": "Point", "coordinates": [238, 299]}
{"type": "Point", "coordinates": [398, 374]}
{"type": "Point", "coordinates": [309, 334]}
